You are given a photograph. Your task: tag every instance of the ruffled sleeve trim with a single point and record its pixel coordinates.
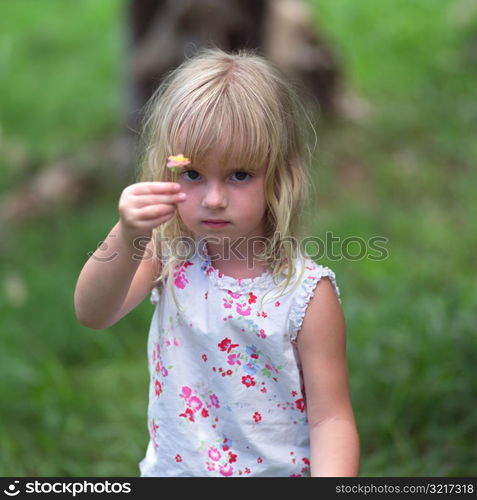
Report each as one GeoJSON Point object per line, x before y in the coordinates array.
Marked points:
{"type": "Point", "coordinates": [312, 276]}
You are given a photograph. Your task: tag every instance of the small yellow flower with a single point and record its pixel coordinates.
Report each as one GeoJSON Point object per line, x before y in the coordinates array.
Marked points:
{"type": "Point", "coordinates": [177, 161]}
{"type": "Point", "coordinates": [176, 164]}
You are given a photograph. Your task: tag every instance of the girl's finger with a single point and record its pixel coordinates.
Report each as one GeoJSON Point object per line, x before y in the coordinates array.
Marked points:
{"type": "Point", "coordinates": [154, 188]}
{"type": "Point", "coordinates": [154, 211]}
{"type": "Point", "coordinates": [146, 200]}
{"type": "Point", "coordinates": [148, 224]}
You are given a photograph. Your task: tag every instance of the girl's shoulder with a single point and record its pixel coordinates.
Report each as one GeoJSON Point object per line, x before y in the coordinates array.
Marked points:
{"type": "Point", "coordinates": [314, 272]}
{"type": "Point", "coordinates": [309, 273]}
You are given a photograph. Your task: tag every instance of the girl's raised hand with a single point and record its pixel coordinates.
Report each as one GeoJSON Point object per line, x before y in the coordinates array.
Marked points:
{"type": "Point", "coordinates": [145, 205]}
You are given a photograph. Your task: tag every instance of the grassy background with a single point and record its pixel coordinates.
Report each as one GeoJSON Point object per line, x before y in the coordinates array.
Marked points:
{"type": "Point", "coordinates": [73, 401]}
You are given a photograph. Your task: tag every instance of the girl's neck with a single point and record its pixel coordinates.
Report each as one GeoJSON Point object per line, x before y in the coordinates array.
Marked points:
{"type": "Point", "coordinates": [241, 271]}
{"type": "Point", "coordinates": [237, 260]}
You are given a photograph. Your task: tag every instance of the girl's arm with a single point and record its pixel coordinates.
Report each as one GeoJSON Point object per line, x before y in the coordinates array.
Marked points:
{"type": "Point", "coordinates": [109, 277]}
{"type": "Point", "coordinates": [117, 278]}
{"type": "Point", "coordinates": [321, 343]}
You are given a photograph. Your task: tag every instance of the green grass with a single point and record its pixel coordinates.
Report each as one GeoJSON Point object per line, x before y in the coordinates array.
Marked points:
{"type": "Point", "coordinates": [73, 401]}
{"type": "Point", "coordinates": [59, 79]}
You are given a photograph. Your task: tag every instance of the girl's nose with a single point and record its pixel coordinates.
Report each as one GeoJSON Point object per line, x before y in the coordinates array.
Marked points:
{"type": "Point", "coordinates": [214, 197]}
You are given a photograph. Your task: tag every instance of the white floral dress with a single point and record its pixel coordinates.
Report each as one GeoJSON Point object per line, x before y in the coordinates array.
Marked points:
{"type": "Point", "coordinates": [226, 394]}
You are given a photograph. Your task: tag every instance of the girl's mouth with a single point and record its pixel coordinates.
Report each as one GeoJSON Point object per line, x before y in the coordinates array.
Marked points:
{"type": "Point", "coordinates": [215, 223]}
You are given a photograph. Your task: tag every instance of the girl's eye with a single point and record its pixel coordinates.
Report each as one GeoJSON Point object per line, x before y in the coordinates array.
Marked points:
{"type": "Point", "coordinates": [242, 176]}
{"type": "Point", "coordinates": [193, 176]}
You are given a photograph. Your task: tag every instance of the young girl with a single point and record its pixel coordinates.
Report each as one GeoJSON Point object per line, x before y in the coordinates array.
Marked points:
{"type": "Point", "coordinates": [246, 348]}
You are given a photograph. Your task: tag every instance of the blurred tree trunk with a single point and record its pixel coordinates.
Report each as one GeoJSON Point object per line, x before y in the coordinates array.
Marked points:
{"type": "Point", "coordinates": [162, 32]}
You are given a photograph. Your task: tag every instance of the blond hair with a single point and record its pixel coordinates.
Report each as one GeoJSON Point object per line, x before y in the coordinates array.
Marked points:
{"type": "Point", "coordinates": [238, 102]}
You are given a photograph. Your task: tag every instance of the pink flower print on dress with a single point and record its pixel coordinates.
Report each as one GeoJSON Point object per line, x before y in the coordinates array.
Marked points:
{"type": "Point", "coordinates": [186, 393]}
{"type": "Point", "coordinates": [257, 417]}
{"type": "Point", "coordinates": [254, 328]}
{"type": "Point", "coordinates": [158, 388]}
{"type": "Point", "coordinates": [226, 470]}
{"type": "Point", "coordinates": [154, 426]}
{"type": "Point", "coordinates": [195, 403]}
{"type": "Point", "coordinates": [271, 368]}
{"type": "Point", "coordinates": [189, 414]}
{"type": "Point", "coordinates": [214, 454]}
{"type": "Point", "coordinates": [252, 298]}
{"type": "Point", "coordinates": [234, 295]}
{"type": "Point", "coordinates": [252, 351]}
{"type": "Point", "coordinates": [277, 303]}
{"type": "Point", "coordinates": [153, 433]}
{"type": "Point", "coordinates": [234, 359]}
{"type": "Point", "coordinates": [300, 404]}
{"type": "Point", "coordinates": [243, 309]}
{"type": "Point", "coordinates": [156, 353]}
{"type": "Point", "coordinates": [156, 358]}
{"type": "Point", "coordinates": [180, 281]}
{"type": "Point", "coordinates": [228, 303]}
{"type": "Point", "coordinates": [226, 345]}
{"type": "Point", "coordinates": [232, 457]}
{"type": "Point", "coordinates": [248, 381]}
{"type": "Point", "coordinates": [214, 400]}
{"type": "Point", "coordinates": [226, 444]}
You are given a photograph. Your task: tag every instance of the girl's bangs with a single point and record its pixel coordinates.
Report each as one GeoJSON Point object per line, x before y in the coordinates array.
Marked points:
{"type": "Point", "coordinates": [237, 138]}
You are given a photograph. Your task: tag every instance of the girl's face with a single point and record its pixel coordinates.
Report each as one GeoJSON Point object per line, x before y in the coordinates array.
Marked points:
{"type": "Point", "coordinates": [213, 193]}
